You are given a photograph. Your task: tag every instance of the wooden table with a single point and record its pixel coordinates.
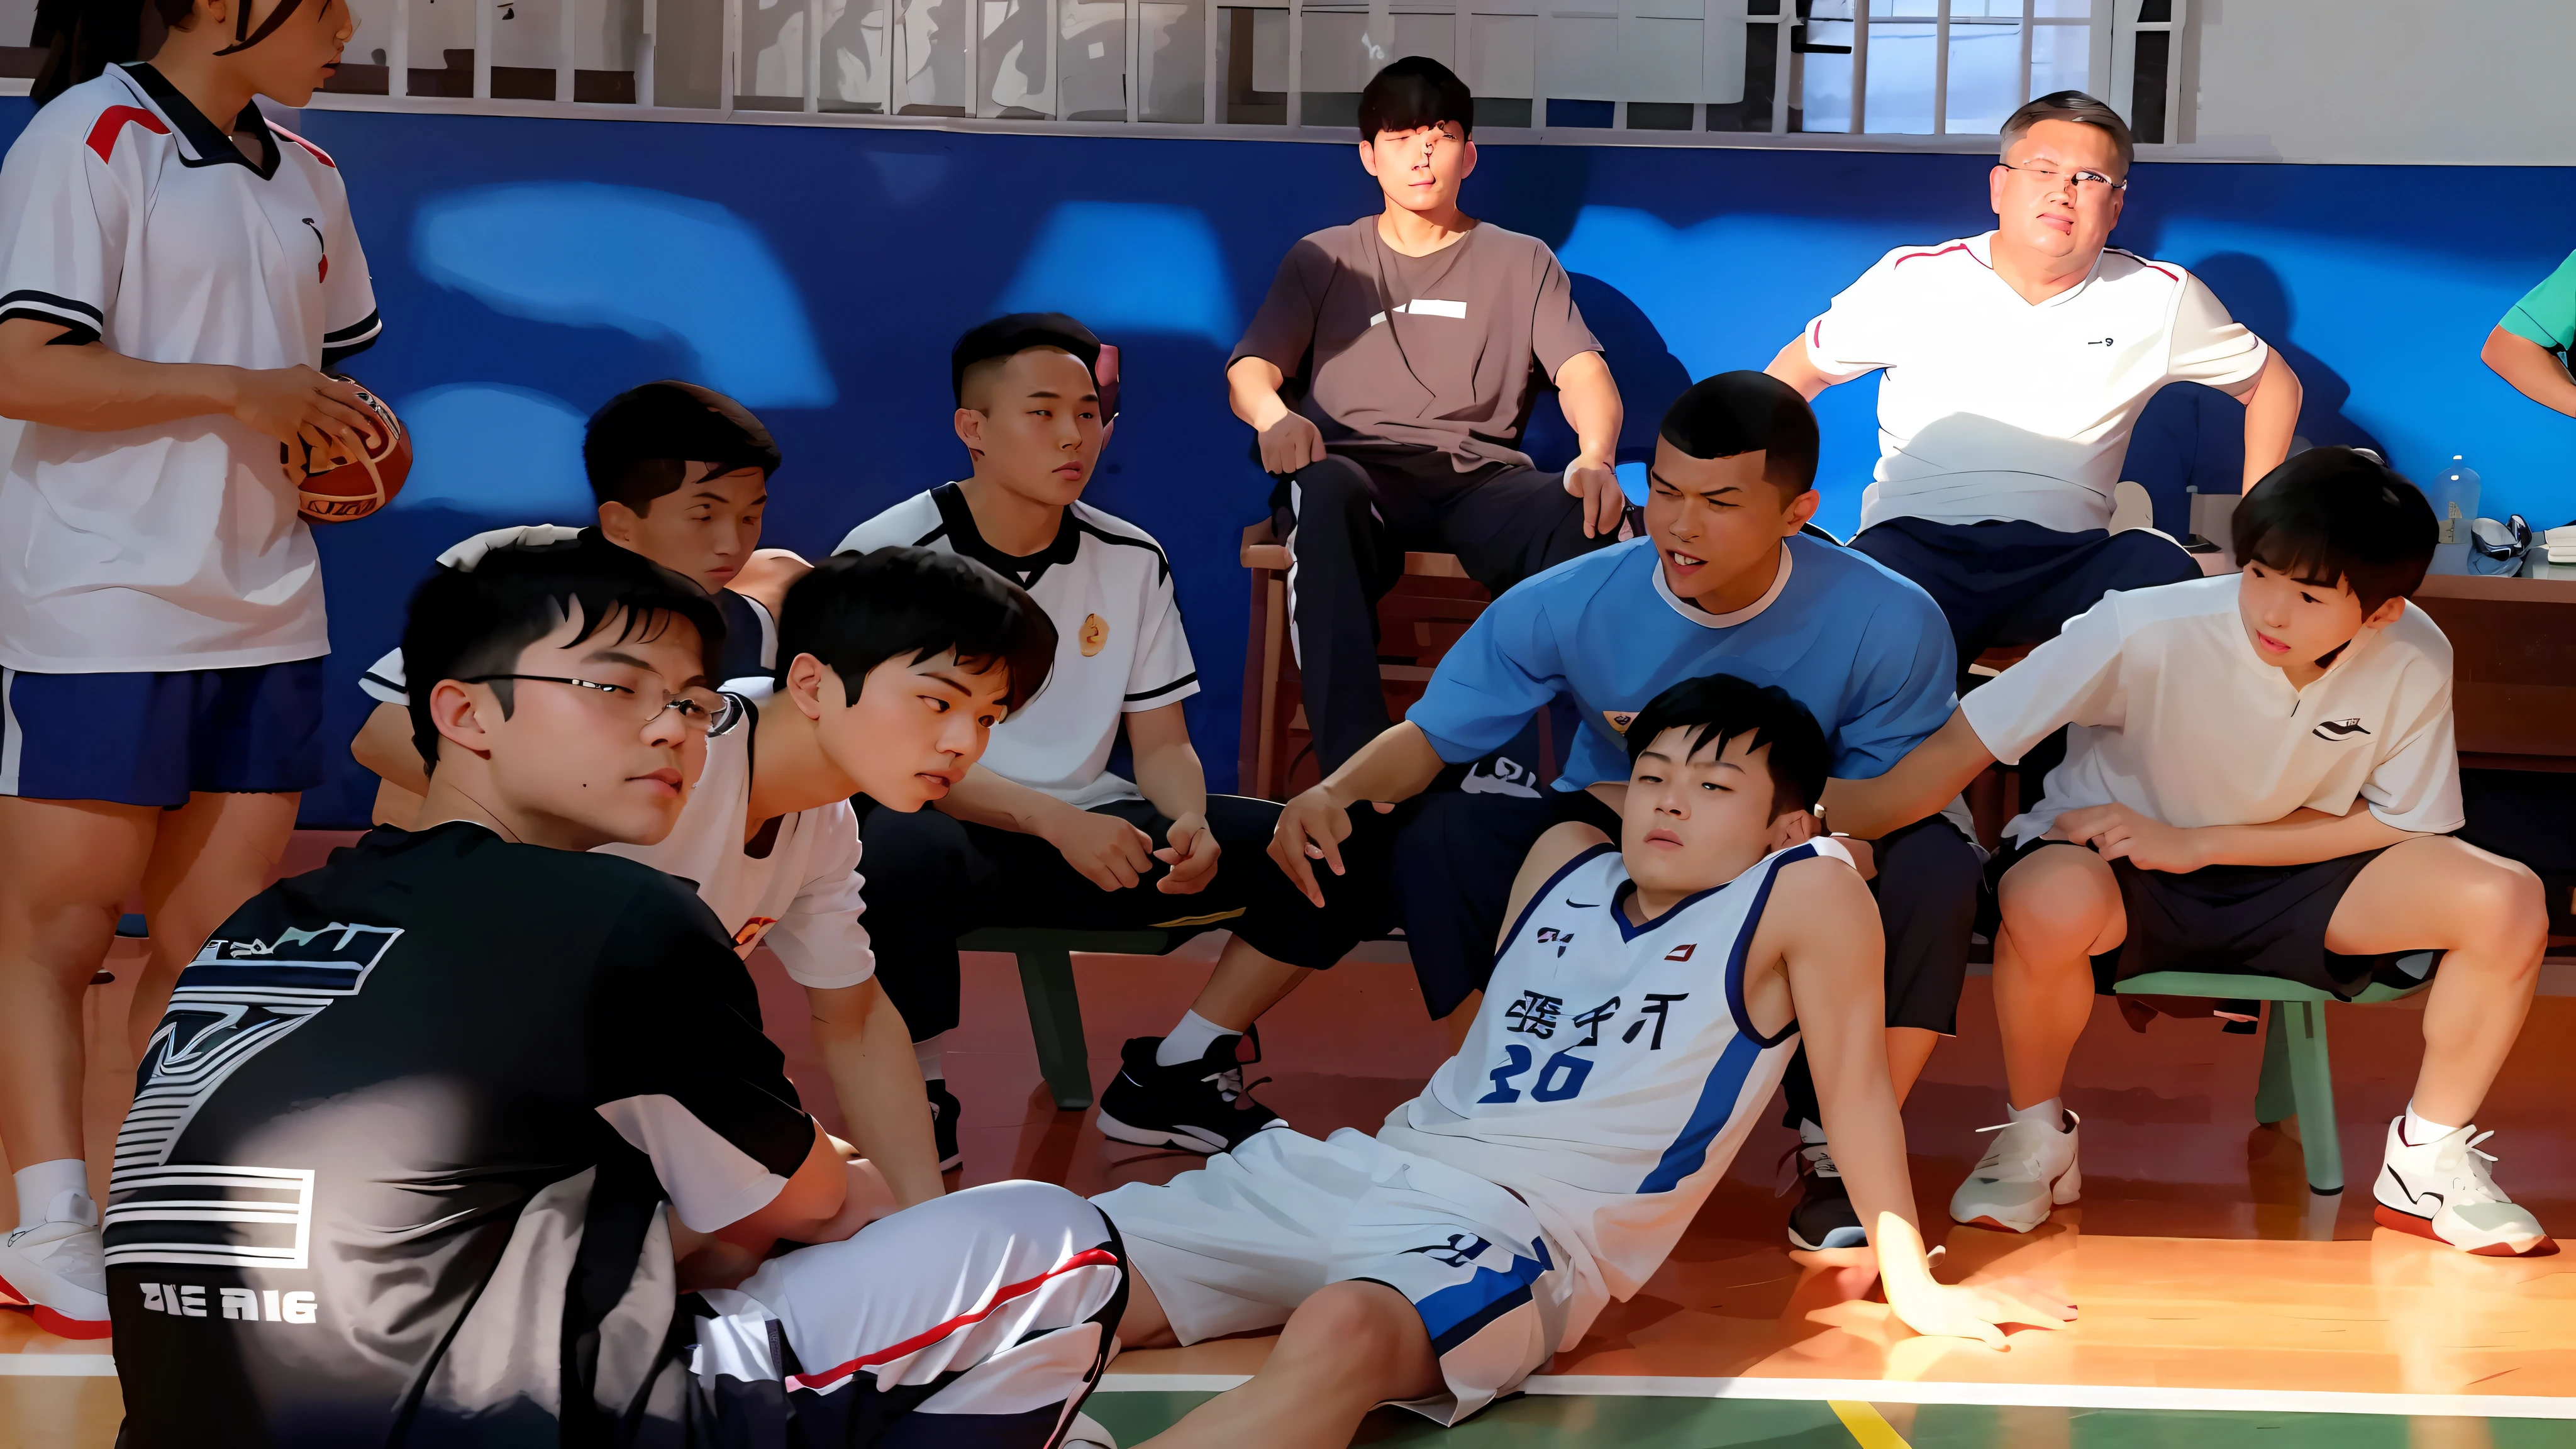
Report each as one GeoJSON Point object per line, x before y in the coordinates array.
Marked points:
{"type": "Point", "coordinates": [2513, 650]}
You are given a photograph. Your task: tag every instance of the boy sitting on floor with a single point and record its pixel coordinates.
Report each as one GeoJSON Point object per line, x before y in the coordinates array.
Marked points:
{"type": "Point", "coordinates": [401, 1147]}
{"type": "Point", "coordinates": [2259, 778]}
{"type": "Point", "coordinates": [1043, 833]}
{"type": "Point", "coordinates": [1645, 1002]}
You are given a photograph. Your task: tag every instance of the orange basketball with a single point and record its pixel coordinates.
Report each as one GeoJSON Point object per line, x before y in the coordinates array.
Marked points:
{"type": "Point", "coordinates": [337, 494]}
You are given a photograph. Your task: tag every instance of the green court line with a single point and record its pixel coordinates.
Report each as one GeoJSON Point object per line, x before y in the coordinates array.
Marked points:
{"type": "Point", "coordinates": [1564, 1421]}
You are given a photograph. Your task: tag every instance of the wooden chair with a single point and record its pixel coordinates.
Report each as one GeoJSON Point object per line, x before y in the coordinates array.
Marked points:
{"type": "Point", "coordinates": [2298, 1077]}
{"type": "Point", "coordinates": [1426, 612]}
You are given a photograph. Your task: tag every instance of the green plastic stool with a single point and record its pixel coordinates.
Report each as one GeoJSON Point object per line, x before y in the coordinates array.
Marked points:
{"type": "Point", "coordinates": [2298, 1077]}
{"type": "Point", "coordinates": [1055, 1010]}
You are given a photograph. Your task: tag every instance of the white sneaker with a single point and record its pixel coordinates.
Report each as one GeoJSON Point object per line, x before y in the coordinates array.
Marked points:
{"type": "Point", "coordinates": [2029, 1169]}
{"type": "Point", "coordinates": [2442, 1190]}
{"type": "Point", "coordinates": [1086, 1433]}
{"type": "Point", "coordinates": [59, 1269]}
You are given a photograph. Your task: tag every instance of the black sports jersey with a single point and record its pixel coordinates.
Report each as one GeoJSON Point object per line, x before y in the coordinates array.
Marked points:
{"type": "Point", "coordinates": [751, 636]}
{"type": "Point", "coordinates": [387, 1180]}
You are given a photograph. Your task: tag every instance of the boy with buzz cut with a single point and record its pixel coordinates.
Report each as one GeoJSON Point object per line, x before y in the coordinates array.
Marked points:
{"type": "Point", "coordinates": [463, 1119]}
{"type": "Point", "coordinates": [2259, 778]}
{"type": "Point", "coordinates": [1043, 833]}
{"type": "Point", "coordinates": [1648, 998]}
{"type": "Point", "coordinates": [681, 475]}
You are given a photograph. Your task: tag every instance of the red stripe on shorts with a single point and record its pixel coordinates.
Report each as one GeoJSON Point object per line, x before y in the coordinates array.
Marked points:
{"type": "Point", "coordinates": [1088, 1258]}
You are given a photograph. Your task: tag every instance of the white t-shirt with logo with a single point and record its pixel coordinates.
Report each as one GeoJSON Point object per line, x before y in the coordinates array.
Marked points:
{"type": "Point", "coordinates": [133, 220]}
{"type": "Point", "coordinates": [2175, 716]}
{"type": "Point", "coordinates": [1119, 643]}
{"type": "Point", "coordinates": [795, 884]}
{"type": "Point", "coordinates": [1993, 407]}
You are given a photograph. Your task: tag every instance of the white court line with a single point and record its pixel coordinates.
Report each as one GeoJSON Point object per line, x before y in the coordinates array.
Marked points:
{"type": "Point", "coordinates": [57, 1366]}
{"type": "Point", "coordinates": [1885, 1391]}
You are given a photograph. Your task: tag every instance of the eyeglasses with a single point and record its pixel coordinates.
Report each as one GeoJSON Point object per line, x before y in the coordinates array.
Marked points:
{"type": "Point", "coordinates": [698, 708]}
{"type": "Point", "coordinates": [2075, 179]}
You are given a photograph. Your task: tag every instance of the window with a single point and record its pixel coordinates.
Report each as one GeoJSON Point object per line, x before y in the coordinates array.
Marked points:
{"type": "Point", "coordinates": [1657, 70]}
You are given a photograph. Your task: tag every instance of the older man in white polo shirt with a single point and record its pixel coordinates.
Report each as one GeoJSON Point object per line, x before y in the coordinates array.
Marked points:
{"type": "Point", "coordinates": [2016, 364]}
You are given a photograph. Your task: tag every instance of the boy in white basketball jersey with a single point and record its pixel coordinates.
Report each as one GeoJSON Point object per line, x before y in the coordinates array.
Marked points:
{"type": "Point", "coordinates": [1045, 833]}
{"type": "Point", "coordinates": [175, 274]}
{"type": "Point", "coordinates": [2015, 364]}
{"type": "Point", "coordinates": [1644, 1004]}
{"type": "Point", "coordinates": [2259, 778]}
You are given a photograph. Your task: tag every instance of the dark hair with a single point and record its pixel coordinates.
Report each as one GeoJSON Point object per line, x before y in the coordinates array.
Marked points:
{"type": "Point", "coordinates": [1016, 333]}
{"type": "Point", "coordinates": [82, 38]}
{"type": "Point", "coordinates": [465, 622]}
{"type": "Point", "coordinates": [1744, 412]}
{"type": "Point", "coordinates": [1412, 93]}
{"type": "Point", "coordinates": [2338, 516]}
{"type": "Point", "coordinates": [638, 447]}
{"type": "Point", "coordinates": [2071, 106]}
{"type": "Point", "coordinates": [1722, 707]}
{"type": "Point", "coordinates": [856, 611]}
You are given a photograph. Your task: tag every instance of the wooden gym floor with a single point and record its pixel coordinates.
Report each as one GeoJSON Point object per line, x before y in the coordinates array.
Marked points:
{"type": "Point", "coordinates": [2221, 1300]}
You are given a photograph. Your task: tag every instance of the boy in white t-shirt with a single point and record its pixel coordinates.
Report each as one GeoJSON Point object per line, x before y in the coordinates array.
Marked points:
{"type": "Point", "coordinates": [2259, 778]}
{"type": "Point", "coordinates": [2015, 364]}
{"type": "Point", "coordinates": [1043, 834]}
{"type": "Point", "coordinates": [681, 475]}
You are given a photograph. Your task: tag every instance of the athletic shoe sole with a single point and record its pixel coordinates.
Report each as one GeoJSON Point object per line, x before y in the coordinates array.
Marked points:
{"type": "Point", "coordinates": [953, 1162]}
{"type": "Point", "coordinates": [2404, 1222]}
{"type": "Point", "coordinates": [1188, 1139]}
{"type": "Point", "coordinates": [1858, 1239]}
{"type": "Point", "coordinates": [54, 1322]}
{"type": "Point", "coordinates": [1985, 1220]}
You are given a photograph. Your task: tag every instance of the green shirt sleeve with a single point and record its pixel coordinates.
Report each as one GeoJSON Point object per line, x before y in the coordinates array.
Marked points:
{"type": "Point", "coordinates": [2547, 313]}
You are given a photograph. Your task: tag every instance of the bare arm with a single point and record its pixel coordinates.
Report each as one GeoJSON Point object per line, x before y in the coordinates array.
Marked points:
{"type": "Point", "coordinates": [1824, 930]}
{"type": "Point", "coordinates": [1173, 782]}
{"type": "Point", "coordinates": [1924, 781]}
{"type": "Point", "coordinates": [766, 576]}
{"type": "Point", "coordinates": [1792, 367]}
{"type": "Point", "coordinates": [1109, 852]}
{"type": "Point", "coordinates": [2533, 370]}
{"type": "Point", "coordinates": [1288, 440]}
{"type": "Point", "coordinates": [2301, 837]}
{"type": "Point", "coordinates": [1590, 398]}
{"type": "Point", "coordinates": [383, 744]}
{"type": "Point", "coordinates": [867, 1051]}
{"type": "Point", "coordinates": [2271, 418]}
{"type": "Point", "coordinates": [95, 390]}
{"type": "Point", "coordinates": [1398, 765]}
{"type": "Point", "coordinates": [1560, 844]}
{"type": "Point", "coordinates": [809, 1209]}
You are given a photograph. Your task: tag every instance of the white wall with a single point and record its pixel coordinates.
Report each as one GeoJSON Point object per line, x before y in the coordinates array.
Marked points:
{"type": "Point", "coordinates": [2459, 81]}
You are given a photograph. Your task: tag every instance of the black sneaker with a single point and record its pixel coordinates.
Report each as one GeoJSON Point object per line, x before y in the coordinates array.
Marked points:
{"type": "Point", "coordinates": [1201, 1106]}
{"type": "Point", "coordinates": [1823, 1217]}
{"type": "Point", "coordinates": [943, 1125]}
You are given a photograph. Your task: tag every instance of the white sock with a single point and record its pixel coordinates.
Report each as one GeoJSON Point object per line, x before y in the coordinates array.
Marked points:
{"type": "Point", "coordinates": [1188, 1041]}
{"type": "Point", "coordinates": [2416, 1131]}
{"type": "Point", "coordinates": [1809, 1132]}
{"type": "Point", "coordinates": [926, 1052]}
{"type": "Point", "coordinates": [39, 1185]}
{"type": "Point", "coordinates": [2052, 1112]}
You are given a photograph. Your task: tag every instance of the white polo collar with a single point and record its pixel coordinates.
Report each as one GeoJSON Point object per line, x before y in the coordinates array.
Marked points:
{"type": "Point", "coordinates": [1707, 620]}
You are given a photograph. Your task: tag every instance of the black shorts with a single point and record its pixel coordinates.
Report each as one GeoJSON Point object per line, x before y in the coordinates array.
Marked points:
{"type": "Point", "coordinates": [2250, 920]}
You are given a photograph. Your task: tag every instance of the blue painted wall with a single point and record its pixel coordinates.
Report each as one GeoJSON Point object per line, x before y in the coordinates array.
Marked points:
{"type": "Point", "coordinates": [530, 268]}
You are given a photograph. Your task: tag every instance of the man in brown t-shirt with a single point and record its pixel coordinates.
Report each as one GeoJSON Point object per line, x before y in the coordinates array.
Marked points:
{"type": "Point", "coordinates": [1414, 334]}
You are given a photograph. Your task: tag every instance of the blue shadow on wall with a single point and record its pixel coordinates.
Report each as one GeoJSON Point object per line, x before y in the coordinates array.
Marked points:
{"type": "Point", "coordinates": [1127, 266]}
{"type": "Point", "coordinates": [507, 454]}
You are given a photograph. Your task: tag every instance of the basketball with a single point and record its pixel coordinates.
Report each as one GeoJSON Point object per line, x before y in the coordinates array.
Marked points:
{"type": "Point", "coordinates": [338, 494]}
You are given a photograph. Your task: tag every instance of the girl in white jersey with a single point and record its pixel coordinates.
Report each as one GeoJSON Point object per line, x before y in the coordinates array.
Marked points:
{"type": "Point", "coordinates": [174, 274]}
{"type": "Point", "coordinates": [1643, 1006]}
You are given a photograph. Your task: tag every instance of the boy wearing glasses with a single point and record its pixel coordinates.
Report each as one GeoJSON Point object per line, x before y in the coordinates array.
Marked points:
{"type": "Point", "coordinates": [2016, 364]}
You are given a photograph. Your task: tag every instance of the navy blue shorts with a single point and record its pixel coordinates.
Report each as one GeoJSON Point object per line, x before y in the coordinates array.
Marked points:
{"type": "Point", "coordinates": [155, 739]}
{"type": "Point", "coordinates": [2010, 582]}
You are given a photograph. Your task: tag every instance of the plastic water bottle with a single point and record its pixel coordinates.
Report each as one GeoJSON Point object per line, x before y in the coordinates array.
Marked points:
{"type": "Point", "coordinates": [2454, 496]}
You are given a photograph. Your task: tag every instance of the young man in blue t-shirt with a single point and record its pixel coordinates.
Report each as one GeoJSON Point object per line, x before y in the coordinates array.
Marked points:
{"type": "Point", "coordinates": [1727, 581]}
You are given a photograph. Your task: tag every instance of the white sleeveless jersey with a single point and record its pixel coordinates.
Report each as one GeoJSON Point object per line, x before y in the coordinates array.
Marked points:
{"type": "Point", "coordinates": [1612, 1073]}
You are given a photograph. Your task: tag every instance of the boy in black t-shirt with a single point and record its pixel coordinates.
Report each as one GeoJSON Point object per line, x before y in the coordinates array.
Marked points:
{"type": "Point", "coordinates": [400, 1148]}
